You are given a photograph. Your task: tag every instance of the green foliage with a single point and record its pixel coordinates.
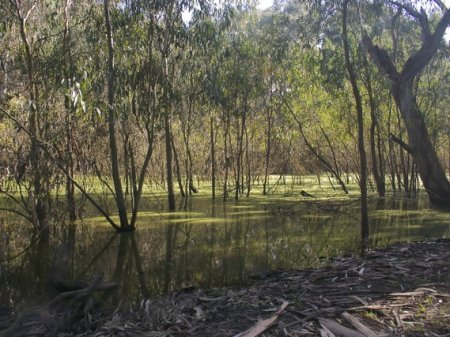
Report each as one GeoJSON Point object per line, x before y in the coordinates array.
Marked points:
{"type": "Point", "coordinates": [227, 67]}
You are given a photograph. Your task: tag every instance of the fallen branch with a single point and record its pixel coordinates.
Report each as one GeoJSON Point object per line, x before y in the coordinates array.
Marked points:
{"type": "Point", "coordinates": [360, 326]}
{"type": "Point", "coordinates": [337, 329]}
{"type": "Point", "coordinates": [262, 326]}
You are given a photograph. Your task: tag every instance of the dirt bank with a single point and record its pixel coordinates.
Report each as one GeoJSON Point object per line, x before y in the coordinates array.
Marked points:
{"type": "Point", "coordinates": [403, 290]}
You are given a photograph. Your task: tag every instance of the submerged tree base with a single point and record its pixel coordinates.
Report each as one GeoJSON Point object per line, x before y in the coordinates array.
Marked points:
{"type": "Point", "coordinates": [403, 290]}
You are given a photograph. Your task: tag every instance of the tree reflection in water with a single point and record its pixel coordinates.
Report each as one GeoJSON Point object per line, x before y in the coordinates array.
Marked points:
{"type": "Point", "coordinates": [209, 247]}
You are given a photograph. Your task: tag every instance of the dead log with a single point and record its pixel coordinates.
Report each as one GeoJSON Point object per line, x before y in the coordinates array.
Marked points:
{"type": "Point", "coordinates": [306, 194]}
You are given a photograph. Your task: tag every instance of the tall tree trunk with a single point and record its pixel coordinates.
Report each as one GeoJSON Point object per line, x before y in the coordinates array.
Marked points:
{"type": "Point", "coordinates": [149, 129]}
{"type": "Point", "coordinates": [425, 157]}
{"type": "Point", "coordinates": [228, 160]}
{"type": "Point", "coordinates": [70, 187]}
{"type": "Point", "coordinates": [40, 191]}
{"type": "Point", "coordinates": [380, 149]}
{"type": "Point", "coordinates": [119, 270]}
{"type": "Point", "coordinates": [377, 175]}
{"type": "Point", "coordinates": [248, 161]}
{"type": "Point", "coordinates": [268, 142]}
{"type": "Point", "coordinates": [431, 172]}
{"type": "Point", "coordinates": [169, 163]}
{"type": "Point", "coordinates": [359, 110]}
{"type": "Point", "coordinates": [213, 159]}
{"type": "Point", "coordinates": [120, 199]}
{"type": "Point", "coordinates": [192, 188]}
{"type": "Point", "coordinates": [68, 74]}
{"type": "Point", "coordinates": [177, 167]}
{"type": "Point", "coordinates": [239, 159]}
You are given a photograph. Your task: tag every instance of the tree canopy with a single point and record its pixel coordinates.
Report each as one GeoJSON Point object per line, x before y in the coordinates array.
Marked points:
{"type": "Point", "coordinates": [114, 96]}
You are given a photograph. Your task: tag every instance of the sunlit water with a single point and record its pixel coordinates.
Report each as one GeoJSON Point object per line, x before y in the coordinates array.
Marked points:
{"type": "Point", "coordinates": [211, 245]}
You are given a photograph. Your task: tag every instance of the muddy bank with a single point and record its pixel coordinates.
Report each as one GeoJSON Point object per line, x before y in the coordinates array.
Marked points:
{"type": "Point", "coordinates": [403, 290]}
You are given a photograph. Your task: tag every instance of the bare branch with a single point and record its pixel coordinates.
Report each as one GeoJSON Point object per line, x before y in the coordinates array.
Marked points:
{"type": "Point", "coordinates": [421, 17]}
{"type": "Point", "coordinates": [410, 10]}
{"type": "Point", "coordinates": [420, 59]}
{"type": "Point", "coordinates": [441, 5]}
{"type": "Point", "coordinates": [402, 144]}
{"type": "Point", "coordinates": [23, 215]}
{"type": "Point", "coordinates": [29, 12]}
{"type": "Point", "coordinates": [44, 146]}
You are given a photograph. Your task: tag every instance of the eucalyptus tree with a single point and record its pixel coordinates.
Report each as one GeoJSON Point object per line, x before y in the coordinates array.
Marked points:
{"type": "Point", "coordinates": [316, 98]}
{"type": "Point", "coordinates": [133, 90]}
{"type": "Point", "coordinates": [246, 78]}
{"type": "Point", "coordinates": [148, 87]}
{"type": "Point", "coordinates": [238, 80]}
{"type": "Point", "coordinates": [222, 93]}
{"type": "Point", "coordinates": [28, 58]}
{"type": "Point", "coordinates": [349, 64]}
{"type": "Point", "coordinates": [192, 84]}
{"type": "Point", "coordinates": [139, 79]}
{"type": "Point", "coordinates": [73, 97]}
{"type": "Point", "coordinates": [209, 37]}
{"type": "Point", "coordinates": [315, 101]}
{"type": "Point", "coordinates": [374, 97]}
{"type": "Point", "coordinates": [273, 52]}
{"type": "Point", "coordinates": [139, 94]}
{"type": "Point", "coordinates": [402, 80]}
{"type": "Point", "coordinates": [119, 195]}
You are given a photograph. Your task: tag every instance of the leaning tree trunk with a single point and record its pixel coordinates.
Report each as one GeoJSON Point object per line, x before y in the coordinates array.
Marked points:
{"type": "Point", "coordinates": [420, 146]}
{"type": "Point", "coordinates": [430, 170]}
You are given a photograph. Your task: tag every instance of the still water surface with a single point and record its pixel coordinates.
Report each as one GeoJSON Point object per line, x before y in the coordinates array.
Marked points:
{"type": "Point", "coordinates": [211, 245]}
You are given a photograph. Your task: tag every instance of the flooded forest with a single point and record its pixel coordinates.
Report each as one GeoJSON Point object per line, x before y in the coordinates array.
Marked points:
{"type": "Point", "coordinates": [167, 166]}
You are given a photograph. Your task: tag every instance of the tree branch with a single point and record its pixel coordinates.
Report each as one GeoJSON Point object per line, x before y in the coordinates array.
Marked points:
{"type": "Point", "coordinates": [441, 5]}
{"type": "Point", "coordinates": [419, 16]}
{"type": "Point", "coordinates": [17, 212]}
{"type": "Point", "coordinates": [410, 10]}
{"type": "Point", "coordinates": [402, 144]}
{"type": "Point", "coordinates": [380, 58]}
{"type": "Point", "coordinates": [417, 61]}
{"type": "Point", "coordinates": [43, 145]}
{"type": "Point", "coordinates": [420, 59]}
